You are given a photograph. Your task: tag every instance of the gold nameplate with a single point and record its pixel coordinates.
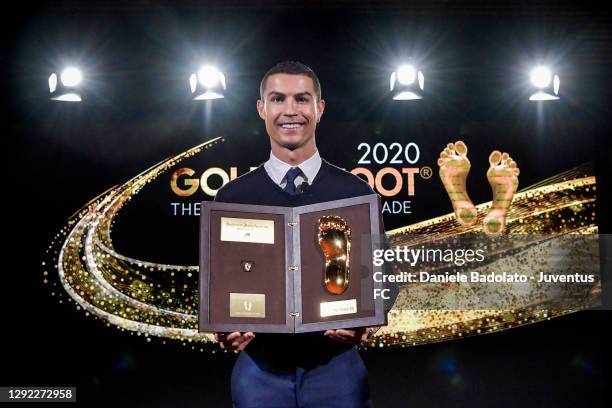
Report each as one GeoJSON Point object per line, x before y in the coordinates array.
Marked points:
{"type": "Point", "coordinates": [338, 307]}
{"type": "Point", "coordinates": [247, 230]}
{"type": "Point", "coordinates": [248, 305]}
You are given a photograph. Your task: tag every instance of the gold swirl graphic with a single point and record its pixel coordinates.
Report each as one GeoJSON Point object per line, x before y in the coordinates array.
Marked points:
{"type": "Point", "coordinates": [153, 299]}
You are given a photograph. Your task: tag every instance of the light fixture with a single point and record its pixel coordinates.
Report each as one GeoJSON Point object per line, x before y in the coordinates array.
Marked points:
{"type": "Point", "coordinates": [68, 87]}
{"type": "Point", "coordinates": [546, 84]}
{"type": "Point", "coordinates": [208, 83]}
{"type": "Point", "coordinates": [407, 83]}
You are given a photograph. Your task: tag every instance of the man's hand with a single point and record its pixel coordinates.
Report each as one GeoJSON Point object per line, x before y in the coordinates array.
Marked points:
{"type": "Point", "coordinates": [235, 340]}
{"type": "Point", "coordinates": [350, 336]}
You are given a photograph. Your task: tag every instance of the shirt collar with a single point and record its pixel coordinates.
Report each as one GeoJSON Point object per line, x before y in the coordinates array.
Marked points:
{"type": "Point", "coordinates": [277, 169]}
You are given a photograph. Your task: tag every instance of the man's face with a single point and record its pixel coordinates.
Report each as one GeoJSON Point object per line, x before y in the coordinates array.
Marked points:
{"type": "Point", "coordinates": [291, 110]}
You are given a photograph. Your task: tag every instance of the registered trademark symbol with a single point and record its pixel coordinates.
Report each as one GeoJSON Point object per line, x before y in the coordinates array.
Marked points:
{"type": "Point", "coordinates": [426, 172]}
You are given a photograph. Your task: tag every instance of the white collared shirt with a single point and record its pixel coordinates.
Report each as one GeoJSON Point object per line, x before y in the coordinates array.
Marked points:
{"type": "Point", "coordinates": [277, 169]}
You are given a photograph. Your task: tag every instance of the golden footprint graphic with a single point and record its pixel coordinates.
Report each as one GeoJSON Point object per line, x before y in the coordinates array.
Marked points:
{"type": "Point", "coordinates": [503, 177]}
{"type": "Point", "coordinates": [454, 168]}
{"type": "Point", "coordinates": [334, 238]}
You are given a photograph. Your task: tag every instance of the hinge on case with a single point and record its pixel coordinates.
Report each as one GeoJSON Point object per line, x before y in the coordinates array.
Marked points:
{"type": "Point", "coordinates": [292, 224]}
{"type": "Point", "coordinates": [294, 314]}
{"type": "Point", "coordinates": [293, 268]}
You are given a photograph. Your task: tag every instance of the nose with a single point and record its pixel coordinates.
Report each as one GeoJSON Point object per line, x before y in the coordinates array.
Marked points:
{"type": "Point", "coordinates": [290, 108]}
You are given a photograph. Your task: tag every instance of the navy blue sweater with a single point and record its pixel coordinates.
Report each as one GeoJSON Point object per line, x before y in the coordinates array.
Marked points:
{"type": "Point", "coordinates": [287, 351]}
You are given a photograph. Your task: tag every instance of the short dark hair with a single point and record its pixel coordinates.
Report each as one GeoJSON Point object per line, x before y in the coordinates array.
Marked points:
{"type": "Point", "coordinates": [292, 68]}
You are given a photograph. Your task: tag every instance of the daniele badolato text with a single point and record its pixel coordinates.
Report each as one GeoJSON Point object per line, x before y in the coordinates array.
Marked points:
{"type": "Point", "coordinates": [412, 257]}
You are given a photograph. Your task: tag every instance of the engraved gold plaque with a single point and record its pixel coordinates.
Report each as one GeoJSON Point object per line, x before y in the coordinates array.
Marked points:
{"type": "Point", "coordinates": [248, 305]}
{"type": "Point", "coordinates": [247, 230]}
{"type": "Point", "coordinates": [334, 236]}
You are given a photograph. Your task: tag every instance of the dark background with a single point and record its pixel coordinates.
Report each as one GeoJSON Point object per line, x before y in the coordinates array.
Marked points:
{"type": "Point", "coordinates": [138, 111]}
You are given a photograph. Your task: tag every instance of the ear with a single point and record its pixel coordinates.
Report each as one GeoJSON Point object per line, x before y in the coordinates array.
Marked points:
{"type": "Point", "coordinates": [320, 109]}
{"type": "Point", "coordinates": [261, 109]}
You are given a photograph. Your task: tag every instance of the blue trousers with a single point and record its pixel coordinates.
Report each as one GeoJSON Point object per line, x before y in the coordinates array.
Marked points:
{"type": "Point", "coordinates": [342, 383]}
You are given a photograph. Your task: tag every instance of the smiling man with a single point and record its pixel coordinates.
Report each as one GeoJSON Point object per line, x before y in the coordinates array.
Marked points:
{"type": "Point", "coordinates": [291, 107]}
{"type": "Point", "coordinates": [321, 369]}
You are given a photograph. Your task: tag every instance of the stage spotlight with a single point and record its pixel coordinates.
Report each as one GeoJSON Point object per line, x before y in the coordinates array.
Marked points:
{"type": "Point", "coordinates": [406, 74]}
{"type": "Point", "coordinates": [208, 83]}
{"type": "Point", "coordinates": [546, 84]}
{"type": "Point", "coordinates": [67, 88]}
{"type": "Point", "coordinates": [71, 77]}
{"type": "Point", "coordinates": [540, 77]}
{"type": "Point", "coordinates": [407, 83]}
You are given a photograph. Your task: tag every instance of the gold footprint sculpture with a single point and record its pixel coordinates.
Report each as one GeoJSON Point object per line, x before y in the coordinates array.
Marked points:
{"type": "Point", "coordinates": [454, 169]}
{"type": "Point", "coordinates": [334, 236]}
{"type": "Point", "coordinates": [502, 175]}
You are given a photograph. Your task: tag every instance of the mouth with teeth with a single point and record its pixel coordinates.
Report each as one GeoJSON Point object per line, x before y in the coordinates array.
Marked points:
{"type": "Point", "coordinates": [291, 125]}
